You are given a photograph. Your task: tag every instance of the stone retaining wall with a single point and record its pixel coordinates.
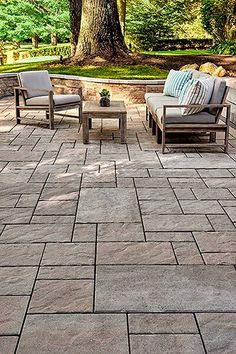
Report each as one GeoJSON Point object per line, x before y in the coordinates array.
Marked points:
{"type": "Point", "coordinates": [132, 91]}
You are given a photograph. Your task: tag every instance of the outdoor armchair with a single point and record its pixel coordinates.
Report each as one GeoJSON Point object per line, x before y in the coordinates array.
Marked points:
{"type": "Point", "coordinates": [38, 95]}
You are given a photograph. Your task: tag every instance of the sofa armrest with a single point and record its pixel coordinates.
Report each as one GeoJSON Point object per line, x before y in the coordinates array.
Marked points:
{"type": "Point", "coordinates": [202, 106]}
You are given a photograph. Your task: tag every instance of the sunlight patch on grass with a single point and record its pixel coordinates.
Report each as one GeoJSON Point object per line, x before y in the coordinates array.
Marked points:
{"type": "Point", "coordinates": [108, 72]}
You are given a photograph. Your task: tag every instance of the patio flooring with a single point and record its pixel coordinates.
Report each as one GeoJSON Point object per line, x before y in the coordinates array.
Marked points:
{"type": "Point", "coordinates": [114, 249]}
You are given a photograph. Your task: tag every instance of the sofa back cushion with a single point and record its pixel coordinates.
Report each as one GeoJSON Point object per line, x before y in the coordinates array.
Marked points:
{"type": "Point", "coordinates": [175, 82]}
{"type": "Point", "coordinates": [218, 94]}
{"type": "Point", "coordinates": [37, 83]}
{"type": "Point", "coordinates": [196, 92]}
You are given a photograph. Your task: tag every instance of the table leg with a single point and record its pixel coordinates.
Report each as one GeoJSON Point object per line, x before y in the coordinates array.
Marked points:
{"type": "Point", "coordinates": [85, 119]}
{"type": "Point", "coordinates": [90, 123]}
{"type": "Point", "coordinates": [123, 128]}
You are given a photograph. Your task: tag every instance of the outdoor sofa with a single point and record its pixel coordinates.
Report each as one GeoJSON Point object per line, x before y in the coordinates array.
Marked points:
{"type": "Point", "coordinates": [164, 115]}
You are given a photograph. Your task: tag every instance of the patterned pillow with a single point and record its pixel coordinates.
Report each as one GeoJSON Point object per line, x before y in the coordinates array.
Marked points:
{"type": "Point", "coordinates": [175, 82]}
{"type": "Point", "coordinates": [196, 92]}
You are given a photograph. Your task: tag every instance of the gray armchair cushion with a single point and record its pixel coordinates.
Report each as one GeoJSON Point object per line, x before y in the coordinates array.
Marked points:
{"type": "Point", "coordinates": [37, 83]}
{"type": "Point", "coordinates": [58, 100]}
{"type": "Point", "coordinates": [173, 115]}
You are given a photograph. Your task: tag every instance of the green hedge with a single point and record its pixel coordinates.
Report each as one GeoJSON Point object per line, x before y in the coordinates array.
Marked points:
{"type": "Point", "coordinates": [226, 47]}
{"type": "Point", "coordinates": [61, 50]}
{"type": "Point", "coordinates": [173, 44]}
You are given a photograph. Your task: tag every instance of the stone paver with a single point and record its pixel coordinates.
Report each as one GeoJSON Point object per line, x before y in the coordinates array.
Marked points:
{"type": "Point", "coordinates": [108, 205]}
{"type": "Point", "coordinates": [53, 296]}
{"type": "Point", "coordinates": [95, 334]}
{"type": "Point", "coordinates": [12, 313]}
{"type": "Point", "coordinates": [162, 323]}
{"type": "Point", "coordinates": [218, 331]}
{"type": "Point", "coordinates": [112, 248]}
{"type": "Point", "coordinates": [165, 288]}
{"type": "Point", "coordinates": [8, 344]}
{"type": "Point", "coordinates": [167, 343]}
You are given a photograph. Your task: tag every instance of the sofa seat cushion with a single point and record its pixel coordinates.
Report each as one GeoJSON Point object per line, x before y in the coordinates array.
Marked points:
{"type": "Point", "coordinates": [173, 116]}
{"type": "Point", "coordinates": [58, 100]}
{"type": "Point", "coordinates": [157, 100]}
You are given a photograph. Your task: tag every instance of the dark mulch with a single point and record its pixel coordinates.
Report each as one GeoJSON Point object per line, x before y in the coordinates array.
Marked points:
{"type": "Point", "coordinates": [163, 62]}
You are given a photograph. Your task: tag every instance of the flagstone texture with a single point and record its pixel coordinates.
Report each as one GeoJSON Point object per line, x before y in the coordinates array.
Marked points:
{"type": "Point", "coordinates": [110, 248]}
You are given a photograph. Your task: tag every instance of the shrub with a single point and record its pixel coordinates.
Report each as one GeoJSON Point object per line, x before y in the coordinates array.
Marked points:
{"type": "Point", "coordinates": [63, 50]}
{"type": "Point", "coordinates": [173, 44]}
{"type": "Point", "coordinates": [226, 47]}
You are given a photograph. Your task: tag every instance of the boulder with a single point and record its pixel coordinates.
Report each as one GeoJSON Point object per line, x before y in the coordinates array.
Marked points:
{"type": "Point", "coordinates": [220, 72]}
{"type": "Point", "coordinates": [189, 67]}
{"type": "Point", "coordinates": [208, 68]}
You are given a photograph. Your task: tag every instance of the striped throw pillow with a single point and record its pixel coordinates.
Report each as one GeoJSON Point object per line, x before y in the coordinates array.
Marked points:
{"type": "Point", "coordinates": [196, 92]}
{"type": "Point", "coordinates": [175, 82]}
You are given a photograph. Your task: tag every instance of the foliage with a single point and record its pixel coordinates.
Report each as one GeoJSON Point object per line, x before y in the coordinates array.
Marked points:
{"type": "Point", "coordinates": [105, 93]}
{"type": "Point", "coordinates": [184, 44]}
{"type": "Point", "coordinates": [219, 18]}
{"type": "Point", "coordinates": [62, 50]}
{"type": "Point", "coordinates": [150, 20]}
{"type": "Point", "coordinates": [226, 47]}
{"type": "Point", "coordinates": [23, 19]}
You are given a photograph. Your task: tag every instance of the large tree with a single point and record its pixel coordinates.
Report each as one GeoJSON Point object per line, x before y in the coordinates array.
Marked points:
{"type": "Point", "coordinates": [100, 31]}
{"type": "Point", "coordinates": [75, 7]}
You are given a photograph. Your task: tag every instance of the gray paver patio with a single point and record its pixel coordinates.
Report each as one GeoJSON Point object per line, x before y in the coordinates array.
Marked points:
{"type": "Point", "coordinates": [110, 248]}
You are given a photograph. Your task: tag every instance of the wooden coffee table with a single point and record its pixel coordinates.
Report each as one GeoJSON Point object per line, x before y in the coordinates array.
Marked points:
{"type": "Point", "coordinates": [93, 110]}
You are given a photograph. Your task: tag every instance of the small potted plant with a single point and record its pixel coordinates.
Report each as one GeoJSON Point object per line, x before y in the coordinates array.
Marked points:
{"type": "Point", "coordinates": [105, 98]}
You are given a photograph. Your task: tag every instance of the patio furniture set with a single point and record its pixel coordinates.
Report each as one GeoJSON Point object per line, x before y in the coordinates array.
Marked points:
{"type": "Point", "coordinates": [192, 103]}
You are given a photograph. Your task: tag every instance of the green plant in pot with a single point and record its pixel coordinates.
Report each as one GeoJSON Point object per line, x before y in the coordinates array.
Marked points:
{"type": "Point", "coordinates": [105, 98]}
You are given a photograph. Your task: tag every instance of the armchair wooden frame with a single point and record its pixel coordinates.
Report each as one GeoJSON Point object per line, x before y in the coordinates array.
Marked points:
{"type": "Point", "coordinates": [51, 109]}
{"type": "Point", "coordinates": [160, 127]}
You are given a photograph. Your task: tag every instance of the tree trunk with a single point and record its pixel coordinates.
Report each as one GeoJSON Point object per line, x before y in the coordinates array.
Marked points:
{"type": "Point", "coordinates": [100, 32]}
{"type": "Point", "coordinates": [35, 41]}
{"type": "Point", "coordinates": [54, 39]}
{"type": "Point", "coordinates": [75, 7]}
{"type": "Point", "coordinates": [122, 12]}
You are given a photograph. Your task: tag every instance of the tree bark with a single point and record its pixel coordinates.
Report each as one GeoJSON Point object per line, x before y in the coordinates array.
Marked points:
{"type": "Point", "coordinates": [75, 7]}
{"type": "Point", "coordinates": [100, 32]}
{"type": "Point", "coordinates": [122, 12]}
{"type": "Point", "coordinates": [35, 41]}
{"type": "Point", "coordinates": [54, 39]}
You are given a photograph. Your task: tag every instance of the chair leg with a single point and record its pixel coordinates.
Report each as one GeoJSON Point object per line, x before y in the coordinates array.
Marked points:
{"type": "Point", "coordinates": [80, 113]}
{"type": "Point", "coordinates": [163, 145]}
{"type": "Point", "coordinates": [147, 113]}
{"type": "Point", "coordinates": [51, 111]}
{"type": "Point", "coordinates": [154, 127]}
{"type": "Point", "coordinates": [90, 123]}
{"type": "Point", "coordinates": [47, 115]}
{"type": "Point", "coordinates": [212, 137]}
{"type": "Point", "coordinates": [159, 135]}
{"type": "Point", "coordinates": [150, 120]}
{"type": "Point", "coordinates": [17, 102]}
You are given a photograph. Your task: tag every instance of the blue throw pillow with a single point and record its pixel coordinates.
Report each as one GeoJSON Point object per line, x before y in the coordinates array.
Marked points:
{"type": "Point", "coordinates": [175, 82]}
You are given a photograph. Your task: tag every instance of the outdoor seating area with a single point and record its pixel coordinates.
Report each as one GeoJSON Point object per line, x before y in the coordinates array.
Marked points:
{"type": "Point", "coordinates": [114, 248]}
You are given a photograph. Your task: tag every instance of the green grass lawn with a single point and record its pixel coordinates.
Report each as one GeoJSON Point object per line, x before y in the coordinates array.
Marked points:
{"type": "Point", "coordinates": [181, 52]}
{"type": "Point", "coordinates": [106, 72]}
